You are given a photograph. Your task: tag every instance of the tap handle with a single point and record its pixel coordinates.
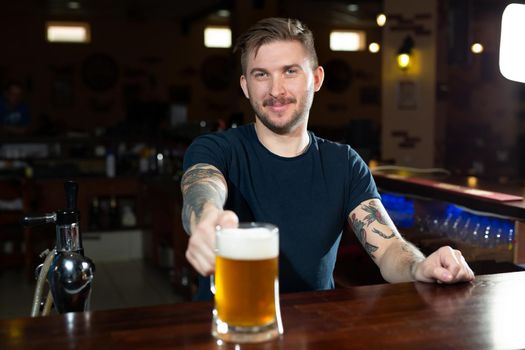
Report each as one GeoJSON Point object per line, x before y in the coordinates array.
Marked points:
{"type": "Point", "coordinates": [35, 220]}
{"type": "Point", "coordinates": [71, 188]}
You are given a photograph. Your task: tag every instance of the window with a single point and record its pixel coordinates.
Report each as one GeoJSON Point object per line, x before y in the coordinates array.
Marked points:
{"type": "Point", "coordinates": [68, 32]}
{"type": "Point", "coordinates": [217, 37]}
{"type": "Point", "coordinates": [348, 40]}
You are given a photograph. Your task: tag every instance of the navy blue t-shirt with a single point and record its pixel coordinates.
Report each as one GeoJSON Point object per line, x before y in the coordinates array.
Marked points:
{"type": "Point", "coordinates": [309, 197]}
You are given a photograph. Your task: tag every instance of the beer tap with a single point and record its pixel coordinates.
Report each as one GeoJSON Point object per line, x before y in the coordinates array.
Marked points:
{"type": "Point", "coordinates": [68, 272]}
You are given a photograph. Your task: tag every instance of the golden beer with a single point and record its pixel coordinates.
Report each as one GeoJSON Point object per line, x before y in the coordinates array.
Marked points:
{"type": "Point", "coordinates": [246, 283]}
{"type": "Point", "coordinates": [245, 291]}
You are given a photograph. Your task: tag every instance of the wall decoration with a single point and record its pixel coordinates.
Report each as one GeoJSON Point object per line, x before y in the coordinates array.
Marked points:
{"type": "Point", "coordinates": [100, 72]}
{"type": "Point", "coordinates": [338, 75]}
{"type": "Point", "coordinates": [406, 95]}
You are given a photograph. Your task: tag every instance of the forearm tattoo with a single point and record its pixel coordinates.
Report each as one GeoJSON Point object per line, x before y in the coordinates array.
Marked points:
{"type": "Point", "coordinates": [373, 214]}
{"type": "Point", "coordinates": [374, 221]}
{"type": "Point", "coordinates": [376, 231]}
{"type": "Point", "coordinates": [359, 230]}
{"type": "Point", "coordinates": [201, 184]}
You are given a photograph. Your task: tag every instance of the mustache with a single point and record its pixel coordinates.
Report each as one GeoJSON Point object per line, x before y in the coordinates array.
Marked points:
{"type": "Point", "coordinates": [279, 100]}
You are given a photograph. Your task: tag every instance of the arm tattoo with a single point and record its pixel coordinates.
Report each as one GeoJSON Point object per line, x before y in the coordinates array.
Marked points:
{"type": "Point", "coordinates": [359, 230]}
{"type": "Point", "coordinates": [373, 214]}
{"type": "Point", "coordinates": [201, 184]}
{"type": "Point", "coordinates": [376, 231]}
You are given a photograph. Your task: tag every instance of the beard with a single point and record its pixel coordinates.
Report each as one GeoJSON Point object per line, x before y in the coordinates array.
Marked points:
{"type": "Point", "coordinates": [298, 116]}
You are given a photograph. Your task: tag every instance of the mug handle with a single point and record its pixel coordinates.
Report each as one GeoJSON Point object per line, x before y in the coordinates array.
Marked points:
{"type": "Point", "coordinates": [212, 276]}
{"type": "Point", "coordinates": [212, 283]}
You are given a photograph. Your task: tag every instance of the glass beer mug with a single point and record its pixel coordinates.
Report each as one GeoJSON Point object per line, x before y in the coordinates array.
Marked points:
{"type": "Point", "coordinates": [246, 284]}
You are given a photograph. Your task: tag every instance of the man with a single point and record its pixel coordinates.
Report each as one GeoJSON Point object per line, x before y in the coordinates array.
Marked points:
{"type": "Point", "coordinates": [14, 113]}
{"type": "Point", "coordinates": [276, 171]}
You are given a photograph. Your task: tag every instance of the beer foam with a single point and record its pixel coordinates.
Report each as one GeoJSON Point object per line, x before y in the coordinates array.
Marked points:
{"type": "Point", "coordinates": [247, 243]}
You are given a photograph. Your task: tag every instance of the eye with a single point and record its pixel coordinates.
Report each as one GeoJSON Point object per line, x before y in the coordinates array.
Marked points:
{"type": "Point", "coordinates": [259, 75]}
{"type": "Point", "coordinates": [291, 71]}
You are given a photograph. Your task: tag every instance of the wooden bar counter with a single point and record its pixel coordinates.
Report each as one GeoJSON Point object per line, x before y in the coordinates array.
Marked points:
{"type": "Point", "coordinates": [485, 314]}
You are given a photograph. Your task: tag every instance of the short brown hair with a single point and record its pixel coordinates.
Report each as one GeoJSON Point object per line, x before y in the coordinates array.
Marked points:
{"type": "Point", "coordinates": [273, 29]}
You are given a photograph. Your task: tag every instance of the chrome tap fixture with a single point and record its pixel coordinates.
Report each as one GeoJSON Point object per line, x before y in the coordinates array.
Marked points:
{"type": "Point", "coordinates": [70, 274]}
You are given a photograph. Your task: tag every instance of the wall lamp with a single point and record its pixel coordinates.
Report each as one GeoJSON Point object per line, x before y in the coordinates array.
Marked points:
{"type": "Point", "coordinates": [404, 54]}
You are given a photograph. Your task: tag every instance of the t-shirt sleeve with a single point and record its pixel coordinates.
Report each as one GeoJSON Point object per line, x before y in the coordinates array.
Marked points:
{"type": "Point", "coordinates": [209, 149]}
{"type": "Point", "coordinates": [361, 184]}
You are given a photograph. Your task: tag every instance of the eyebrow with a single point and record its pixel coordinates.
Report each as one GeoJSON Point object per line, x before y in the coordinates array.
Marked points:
{"type": "Point", "coordinates": [295, 65]}
{"type": "Point", "coordinates": [253, 70]}
{"type": "Point", "coordinates": [285, 68]}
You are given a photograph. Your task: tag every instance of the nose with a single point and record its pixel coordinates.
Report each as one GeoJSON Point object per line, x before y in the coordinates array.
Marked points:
{"type": "Point", "coordinates": [277, 87]}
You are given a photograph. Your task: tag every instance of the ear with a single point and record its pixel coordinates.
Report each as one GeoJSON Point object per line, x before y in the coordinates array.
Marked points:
{"type": "Point", "coordinates": [244, 86]}
{"type": "Point", "coordinates": [318, 78]}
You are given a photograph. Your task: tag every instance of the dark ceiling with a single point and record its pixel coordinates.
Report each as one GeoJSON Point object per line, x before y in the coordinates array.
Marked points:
{"type": "Point", "coordinates": [335, 12]}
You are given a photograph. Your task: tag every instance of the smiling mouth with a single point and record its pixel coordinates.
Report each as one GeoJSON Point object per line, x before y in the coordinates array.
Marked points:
{"type": "Point", "coordinates": [278, 103]}
{"type": "Point", "coordinates": [279, 107]}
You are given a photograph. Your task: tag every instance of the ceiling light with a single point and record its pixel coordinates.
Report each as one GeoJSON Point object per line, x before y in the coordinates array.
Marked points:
{"type": "Point", "coordinates": [353, 7]}
{"type": "Point", "coordinates": [223, 13]}
{"type": "Point", "coordinates": [217, 37]}
{"type": "Point", "coordinates": [73, 5]}
{"type": "Point", "coordinates": [348, 40]}
{"type": "Point", "coordinates": [374, 47]}
{"type": "Point", "coordinates": [381, 19]}
{"type": "Point", "coordinates": [476, 48]}
{"type": "Point", "coordinates": [68, 32]}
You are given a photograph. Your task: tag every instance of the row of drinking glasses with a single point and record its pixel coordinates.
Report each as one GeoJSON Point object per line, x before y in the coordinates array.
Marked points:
{"type": "Point", "coordinates": [458, 224]}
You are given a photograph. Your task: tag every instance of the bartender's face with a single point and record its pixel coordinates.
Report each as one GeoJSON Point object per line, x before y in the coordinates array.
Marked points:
{"type": "Point", "coordinates": [280, 83]}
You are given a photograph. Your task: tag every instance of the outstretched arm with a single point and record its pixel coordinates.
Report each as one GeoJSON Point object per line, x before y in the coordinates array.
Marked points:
{"type": "Point", "coordinates": [203, 187]}
{"type": "Point", "coordinates": [399, 260]}
{"type": "Point", "coordinates": [204, 192]}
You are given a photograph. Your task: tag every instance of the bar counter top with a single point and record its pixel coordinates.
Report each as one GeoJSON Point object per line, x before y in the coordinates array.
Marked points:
{"type": "Point", "coordinates": [484, 314]}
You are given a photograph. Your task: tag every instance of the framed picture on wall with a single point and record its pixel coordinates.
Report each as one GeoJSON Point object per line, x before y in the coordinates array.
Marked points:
{"type": "Point", "coordinates": [406, 95]}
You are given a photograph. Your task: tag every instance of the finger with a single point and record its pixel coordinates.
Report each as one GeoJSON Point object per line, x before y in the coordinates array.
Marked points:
{"type": "Point", "coordinates": [193, 262]}
{"type": "Point", "coordinates": [469, 274]}
{"type": "Point", "coordinates": [201, 252]}
{"type": "Point", "coordinates": [449, 260]}
{"type": "Point", "coordinates": [202, 265]}
{"type": "Point", "coordinates": [472, 275]}
{"type": "Point", "coordinates": [228, 219]}
{"type": "Point", "coordinates": [207, 266]}
{"type": "Point", "coordinates": [441, 274]}
{"type": "Point", "coordinates": [464, 273]}
{"type": "Point", "coordinates": [208, 220]}
{"type": "Point", "coordinates": [203, 246]}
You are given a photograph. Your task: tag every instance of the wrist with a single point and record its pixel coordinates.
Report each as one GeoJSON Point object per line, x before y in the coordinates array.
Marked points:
{"type": "Point", "coordinates": [413, 269]}
{"type": "Point", "coordinates": [207, 216]}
